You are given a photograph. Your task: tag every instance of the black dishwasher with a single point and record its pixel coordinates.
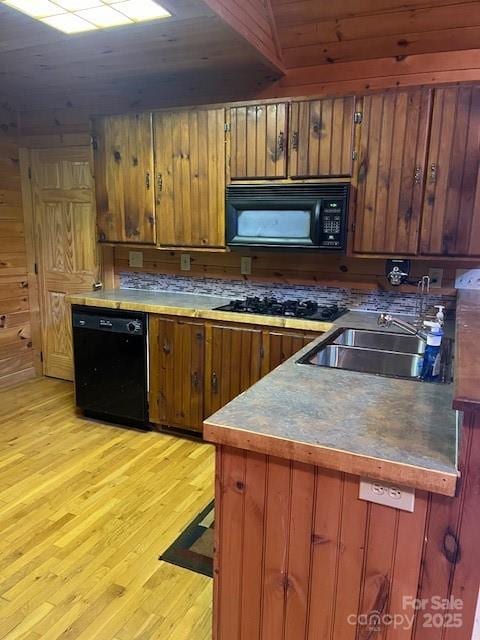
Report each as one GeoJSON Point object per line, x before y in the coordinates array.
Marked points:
{"type": "Point", "coordinates": [110, 356]}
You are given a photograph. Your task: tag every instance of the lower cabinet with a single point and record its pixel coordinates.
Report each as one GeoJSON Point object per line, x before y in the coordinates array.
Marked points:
{"type": "Point", "coordinates": [198, 367]}
{"type": "Point", "coordinates": [233, 363]}
{"type": "Point", "coordinates": [177, 350]}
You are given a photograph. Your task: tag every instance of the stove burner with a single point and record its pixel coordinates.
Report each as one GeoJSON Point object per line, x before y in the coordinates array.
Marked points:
{"type": "Point", "coordinates": [270, 306]}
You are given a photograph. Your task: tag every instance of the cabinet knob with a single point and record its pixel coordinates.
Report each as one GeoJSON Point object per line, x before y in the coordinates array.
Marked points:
{"type": "Point", "coordinates": [166, 347]}
{"type": "Point", "coordinates": [97, 286]}
{"type": "Point", "coordinates": [195, 380]}
{"type": "Point", "coordinates": [281, 142]}
{"type": "Point", "coordinates": [433, 173]}
{"type": "Point", "coordinates": [147, 180]}
{"type": "Point", "coordinates": [417, 176]}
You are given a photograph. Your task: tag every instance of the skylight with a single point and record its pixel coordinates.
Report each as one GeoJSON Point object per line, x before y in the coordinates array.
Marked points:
{"type": "Point", "coordinates": [77, 16]}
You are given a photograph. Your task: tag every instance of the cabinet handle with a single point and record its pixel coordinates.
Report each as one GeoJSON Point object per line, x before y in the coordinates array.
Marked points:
{"type": "Point", "coordinates": [295, 141]}
{"type": "Point", "coordinates": [214, 382]}
{"type": "Point", "coordinates": [433, 173]}
{"type": "Point", "coordinates": [417, 176]}
{"type": "Point", "coordinates": [159, 182]}
{"type": "Point", "coordinates": [147, 180]}
{"type": "Point", "coordinates": [97, 286]}
{"type": "Point", "coordinates": [166, 347]}
{"type": "Point", "coordinates": [195, 380]}
{"type": "Point", "coordinates": [281, 142]}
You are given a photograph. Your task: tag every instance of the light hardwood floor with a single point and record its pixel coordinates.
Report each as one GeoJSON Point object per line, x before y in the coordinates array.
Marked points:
{"type": "Point", "coordinates": [85, 511]}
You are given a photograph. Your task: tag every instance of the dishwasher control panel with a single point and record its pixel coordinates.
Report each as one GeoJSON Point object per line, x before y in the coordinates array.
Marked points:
{"type": "Point", "coordinates": [113, 324]}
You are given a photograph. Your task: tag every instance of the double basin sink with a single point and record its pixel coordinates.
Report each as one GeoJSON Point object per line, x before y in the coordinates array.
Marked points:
{"type": "Point", "coordinates": [377, 352]}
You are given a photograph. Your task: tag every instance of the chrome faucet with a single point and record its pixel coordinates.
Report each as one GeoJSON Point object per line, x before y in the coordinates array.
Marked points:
{"type": "Point", "coordinates": [386, 320]}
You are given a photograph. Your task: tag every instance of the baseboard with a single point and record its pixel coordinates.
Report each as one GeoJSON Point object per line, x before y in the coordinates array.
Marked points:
{"type": "Point", "coordinates": [16, 378]}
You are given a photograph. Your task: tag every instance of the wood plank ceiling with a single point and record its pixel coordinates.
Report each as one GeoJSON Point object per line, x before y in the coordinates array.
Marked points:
{"type": "Point", "coordinates": [40, 66]}
{"type": "Point", "coordinates": [312, 32]}
{"type": "Point", "coordinates": [213, 50]}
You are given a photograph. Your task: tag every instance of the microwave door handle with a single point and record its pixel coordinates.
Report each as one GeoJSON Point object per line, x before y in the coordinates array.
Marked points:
{"type": "Point", "coordinates": [317, 218]}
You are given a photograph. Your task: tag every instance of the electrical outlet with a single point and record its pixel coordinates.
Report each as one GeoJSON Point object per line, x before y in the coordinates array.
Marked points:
{"type": "Point", "coordinates": [135, 258]}
{"type": "Point", "coordinates": [467, 279]}
{"type": "Point", "coordinates": [436, 277]}
{"type": "Point", "coordinates": [246, 266]}
{"type": "Point", "coordinates": [185, 262]}
{"type": "Point", "coordinates": [389, 495]}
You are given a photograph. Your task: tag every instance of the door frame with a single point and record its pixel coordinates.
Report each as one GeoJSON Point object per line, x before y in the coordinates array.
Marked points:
{"type": "Point", "coordinates": [105, 253]}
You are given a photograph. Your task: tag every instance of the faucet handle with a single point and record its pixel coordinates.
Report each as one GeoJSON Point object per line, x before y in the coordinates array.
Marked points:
{"type": "Point", "coordinates": [384, 320]}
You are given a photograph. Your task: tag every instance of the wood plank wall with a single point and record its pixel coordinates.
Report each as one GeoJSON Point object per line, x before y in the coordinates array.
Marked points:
{"type": "Point", "coordinates": [16, 355]}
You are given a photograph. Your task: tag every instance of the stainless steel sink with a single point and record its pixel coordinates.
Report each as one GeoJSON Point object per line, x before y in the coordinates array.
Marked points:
{"type": "Point", "coordinates": [381, 340]}
{"type": "Point", "coordinates": [386, 363]}
{"type": "Point", "coordinates": [377, 352]}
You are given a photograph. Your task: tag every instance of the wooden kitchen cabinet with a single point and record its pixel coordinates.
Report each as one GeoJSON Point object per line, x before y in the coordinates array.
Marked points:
{"type": "Point", "coordinates": [451, 213]}
{"type": "Point", "coordinates": [123, 152]}
{"type": "Point", "coordinates": [392, 158]}
{"type": "Point", "coordinates": [321, 138]}
{"type": "Point", "coordinates": [190, 177]}
{"type": "Point", "coordinates": [233, 363]}
{"type": "Point", "coordinates": [281, 345]}
{"type": "Point", "coordinates": [176, 372]}
{"type": "Point", "coordinates": [258, 141]}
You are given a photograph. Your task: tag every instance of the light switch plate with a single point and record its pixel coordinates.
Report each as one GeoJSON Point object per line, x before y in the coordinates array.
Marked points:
{"type": "Point", "coordinates": [246, 266]}
{"type": "Point", "coordinates": [185, 262]}
{"type": "Point", "coordinates": [135, 258]}
{"type": "Point", "coordinates": [436, 277]}
{"type": "Point", "coordinates": [389, 495]}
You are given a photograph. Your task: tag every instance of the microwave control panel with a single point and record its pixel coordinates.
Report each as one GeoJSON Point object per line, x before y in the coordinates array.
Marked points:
{"type": "Point", "coordinates": [332, 224]}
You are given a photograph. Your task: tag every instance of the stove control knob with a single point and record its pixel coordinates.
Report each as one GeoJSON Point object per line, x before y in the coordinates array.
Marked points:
{"type": "Point", "coordinates": [132, 327]}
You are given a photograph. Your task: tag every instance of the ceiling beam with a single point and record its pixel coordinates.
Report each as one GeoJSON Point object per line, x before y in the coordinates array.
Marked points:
{"type": "Point", "coordinates": [253, 20]}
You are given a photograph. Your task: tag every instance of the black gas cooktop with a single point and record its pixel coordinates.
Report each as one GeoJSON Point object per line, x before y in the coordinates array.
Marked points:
{"type": "Point", "coordinates": [307, 309]}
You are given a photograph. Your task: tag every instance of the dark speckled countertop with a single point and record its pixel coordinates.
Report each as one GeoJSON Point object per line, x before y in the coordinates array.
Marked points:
{"type": "Point", "coordinates": [396, 430]}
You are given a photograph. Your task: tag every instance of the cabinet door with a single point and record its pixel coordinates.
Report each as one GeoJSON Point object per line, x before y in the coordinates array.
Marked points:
{"type": "Point", "coordinates": [176, 372]}
{"type": "Point", "coordinates": [258, 138]}
{"type": "Point", "coordinates": [124, 178]}
{"type": "Point", "coordinates": [321, 138]}
{"type": "Point", "coordinates": [190, 177]}
{"type": "Point", "coordinates": [451, 214]}
{"type": "Point", "coordinates": [233, 363]}
{"type": "Point", "coordinates": [281, 345]}
{"type": "Point", "coordinates": [390, 179]}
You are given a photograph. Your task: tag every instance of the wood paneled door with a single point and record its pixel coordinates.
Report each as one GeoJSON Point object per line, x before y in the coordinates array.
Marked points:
{"type": "Point", "coordinates": [390, 177]}
{"type": "Point", "coordinates": [176, 372]}
{"type": "Point", "coordinates": [451, 214]}
{"type": "Point", "coordinates": [321, 138]}
{"type": "Point", "coordinates": [66, 253]}
{"type": "Point", "coordinates": [190, 177]}
{"type": "Point", "coordinates": [258, 142]}
{"type": "Point", "coordinates": [233, 363]}
{"type": "Point", "coordinates": [281, 345]}
{"type": "Point", "coordinates": [124, 178]}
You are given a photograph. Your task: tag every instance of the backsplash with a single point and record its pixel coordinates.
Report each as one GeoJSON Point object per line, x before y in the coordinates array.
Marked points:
{"type": "Point", "coordinates": [352, 298]}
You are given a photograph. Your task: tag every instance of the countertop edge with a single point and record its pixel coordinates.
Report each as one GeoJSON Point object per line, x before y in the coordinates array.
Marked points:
{"type": "Point", "coordinates": [203, 314]}
{"type": "Point", "coordinates": [438, 482]}
{"type": "Point", "coordinates": [467, 351]}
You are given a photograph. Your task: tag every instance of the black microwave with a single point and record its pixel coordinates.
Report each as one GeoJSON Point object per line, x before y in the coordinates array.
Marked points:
{"type": "Point", "coordinates": [296, 216]}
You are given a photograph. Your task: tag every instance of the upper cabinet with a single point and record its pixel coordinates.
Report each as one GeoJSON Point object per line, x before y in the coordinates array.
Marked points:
{"type": "Point", "coordinates": [123, 152]}
{"type": "Point", "coordinates": [393, 147]}
{"type": "Point", "coordinates": [258, 142]}
{"type": "Point", "coordinates": [321, 138]}
{"type": "Point", "coordinates": [306, 139]}
{"type": "Point", "coordinates": [190, 177]}
{"type": "Point", "coordinates": [451, 215]}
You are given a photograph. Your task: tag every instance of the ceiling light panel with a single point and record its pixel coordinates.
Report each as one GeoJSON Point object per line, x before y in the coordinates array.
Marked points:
{"type": "Point", "coordinates": [35, 8]}
{"type": "Point", "coordinates": [141, 10]}
{"type": "Point", "coordinates": [77, 16]}
{"type": "Point", "coordinates": [69, 23]}
{"type": "Point", "coordinates": [104, 17]}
